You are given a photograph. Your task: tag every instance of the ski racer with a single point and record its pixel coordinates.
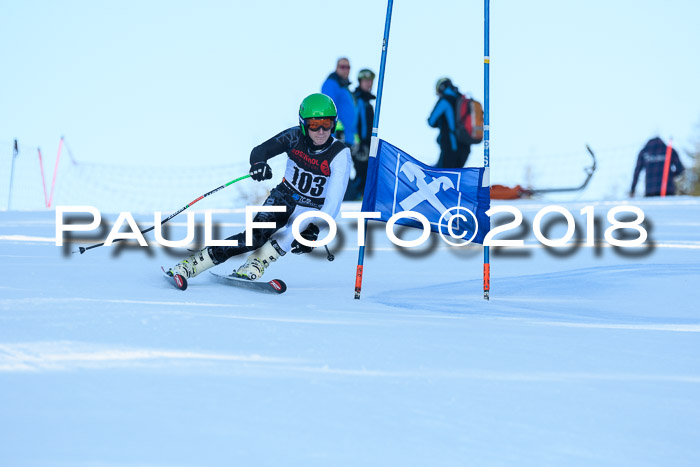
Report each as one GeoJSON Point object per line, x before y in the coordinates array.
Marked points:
{"type": "Point", "coordinates": [315, 178]}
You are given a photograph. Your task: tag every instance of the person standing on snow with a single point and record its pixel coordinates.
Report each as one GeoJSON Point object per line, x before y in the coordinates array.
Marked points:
{"type": "Point", "coordinates": [337, 87]}
{"type": "Point", "coordinates": [652, 159]}
{"type": "Point", "coordinates": [315, 178]}
{"type": "Point", "coordinates": [453, 153]}
{"type": "Point", "coordinates": [365, 120]}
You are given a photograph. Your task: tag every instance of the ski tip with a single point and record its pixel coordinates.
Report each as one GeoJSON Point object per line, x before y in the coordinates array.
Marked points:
{"type": "Point", "coordinates": [278, 285]}
{"type": "Point", "coordinates": [180, 282]}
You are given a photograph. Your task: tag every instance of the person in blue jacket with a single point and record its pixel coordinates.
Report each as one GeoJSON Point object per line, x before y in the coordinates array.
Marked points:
{"type": "Point", "coordinates": [652, 159]}
{"type": "Point", "coordinates": [453, 154]}
{"type": "Point", "coordinates": [337, 88]}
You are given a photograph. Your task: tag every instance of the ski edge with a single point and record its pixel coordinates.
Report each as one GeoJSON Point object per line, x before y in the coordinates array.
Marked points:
{"type": "Point", "coordinates": [274, 286]}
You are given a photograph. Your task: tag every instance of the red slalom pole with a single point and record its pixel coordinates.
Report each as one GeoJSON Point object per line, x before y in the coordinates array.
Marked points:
{"type": "Point", "coordinates": [667, 167]}
{"type": "Point", "coordinates": [55, 171]}
{"type": "Point", "coordinates": [43, 180]}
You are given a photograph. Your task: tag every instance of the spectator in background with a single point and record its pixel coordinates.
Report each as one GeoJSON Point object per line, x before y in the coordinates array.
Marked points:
{"type": "Point", "coordinates": [339, 132]}
{"type": "Point", "coordinates": [337, 87]}
{"type": "Point", "coordinates": [453, 154]}
{"type": "Point", "coordinates": [365, 119]}
{"type": "Point", "coordinates": [652, 159]}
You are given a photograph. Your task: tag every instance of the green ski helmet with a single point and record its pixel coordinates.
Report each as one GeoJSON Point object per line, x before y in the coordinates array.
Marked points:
{"type": "Point", "coordinates": [317, 106]}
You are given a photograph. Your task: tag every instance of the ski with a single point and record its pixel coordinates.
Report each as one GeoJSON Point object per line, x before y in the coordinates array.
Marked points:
{"type": "Point", "coordinates": [175, 279]}
{"type": "Point", "coordinates": [276, 286]}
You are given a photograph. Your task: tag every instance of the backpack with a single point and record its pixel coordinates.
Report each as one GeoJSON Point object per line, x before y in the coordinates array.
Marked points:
{"type": "Point", "coordinates": [469, 115]}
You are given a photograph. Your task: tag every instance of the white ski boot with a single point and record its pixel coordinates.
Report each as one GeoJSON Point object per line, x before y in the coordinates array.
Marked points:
{"type": "Point", "coordinates": [255, 265]}
{"type": "Point", "coordinates": [194, 265]}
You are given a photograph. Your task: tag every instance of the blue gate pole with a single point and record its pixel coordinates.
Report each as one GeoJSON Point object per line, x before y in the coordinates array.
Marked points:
{"type": "Point", "coordinates": [375, 141]}
{"type": "Point", "coordinates": [15, 151]}
{"type": "Point", "coordinates": [487, 170]}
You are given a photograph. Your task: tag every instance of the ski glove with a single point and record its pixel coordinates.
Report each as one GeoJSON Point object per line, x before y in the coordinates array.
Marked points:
{"type": "Point", "coordinates": [310, 234]}
{"type": "Point", "coordinates": [260, 171]}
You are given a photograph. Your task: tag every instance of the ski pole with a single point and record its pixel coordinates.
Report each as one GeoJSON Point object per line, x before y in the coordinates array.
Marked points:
{"type": "Point", "coordinates": [84, 249]}
{"type": "Point", "coordinates": [330, 256]}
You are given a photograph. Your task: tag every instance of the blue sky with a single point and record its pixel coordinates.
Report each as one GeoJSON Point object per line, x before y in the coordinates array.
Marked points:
{"type": "Point", "coordinates": [187, 83]}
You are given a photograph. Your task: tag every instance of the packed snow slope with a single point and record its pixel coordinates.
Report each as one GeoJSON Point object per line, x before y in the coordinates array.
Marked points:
{"type": "Point", "coordinates": [584, 356]}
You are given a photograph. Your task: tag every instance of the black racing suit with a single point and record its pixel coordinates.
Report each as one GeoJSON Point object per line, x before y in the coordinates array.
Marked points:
{"type": "Point", "coordinates": [306, 182]}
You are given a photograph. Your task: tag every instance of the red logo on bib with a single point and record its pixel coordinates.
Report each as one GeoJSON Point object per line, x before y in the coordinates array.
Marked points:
{"type": "Point", "coordinates": [325, 169]}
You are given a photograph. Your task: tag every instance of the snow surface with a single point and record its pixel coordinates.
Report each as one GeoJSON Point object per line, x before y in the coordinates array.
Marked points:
{"type": "Point", "coordinates": [584, 356]}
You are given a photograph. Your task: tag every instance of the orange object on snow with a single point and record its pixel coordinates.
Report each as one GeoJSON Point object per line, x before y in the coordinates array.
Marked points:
{"type": "Point", "coordinates": [506, 192]}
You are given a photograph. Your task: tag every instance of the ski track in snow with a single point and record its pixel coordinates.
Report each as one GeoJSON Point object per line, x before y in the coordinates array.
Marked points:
{"type": "Point", "coordinates": [591, 358]}
{"type": "Point", "coordinates": [70, 356]}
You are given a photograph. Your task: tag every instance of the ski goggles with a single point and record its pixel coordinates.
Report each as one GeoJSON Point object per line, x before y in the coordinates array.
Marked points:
{"type": "Point", "coordinates": [315, 124]}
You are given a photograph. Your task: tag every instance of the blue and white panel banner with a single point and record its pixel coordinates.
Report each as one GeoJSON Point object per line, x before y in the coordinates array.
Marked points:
{"type": "Point", "coordinates": [451, 199]}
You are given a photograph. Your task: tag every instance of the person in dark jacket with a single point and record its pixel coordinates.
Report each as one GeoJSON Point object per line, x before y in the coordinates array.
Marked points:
{"type": "Point", "coordinates": [453, 154]}
{"type": "Point", "coordinates": [365, 119]}
{"type": "Point", "coordinates": [337, 86]}
{"type": "Point", "coordinates": [652, 159]}
{"type": "Point", "coordinates": [315, 179]}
